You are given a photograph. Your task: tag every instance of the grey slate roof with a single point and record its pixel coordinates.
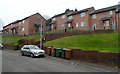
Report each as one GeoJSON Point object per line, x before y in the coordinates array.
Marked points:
{"type": "Point", "coordinates": [105, 9]}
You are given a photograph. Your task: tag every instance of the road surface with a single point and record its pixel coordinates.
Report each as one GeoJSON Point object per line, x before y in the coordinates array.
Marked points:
{"type": "Point", "coordinates": [13, 62]}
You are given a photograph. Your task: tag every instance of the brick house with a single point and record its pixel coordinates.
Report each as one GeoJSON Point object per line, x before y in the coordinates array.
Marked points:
{"type": "Point", "coordinates": [72, 19]}
{"type": "Point", "coordinates": [26, 26]}
{"type": "Point", "coordinates": [88, 19]}
{"type": "Point", "coordinates": [58, 21]}
{"type": "Point", "coordinates": [105, 18]}
{"type": "Point", "coordinates": [80, 19]}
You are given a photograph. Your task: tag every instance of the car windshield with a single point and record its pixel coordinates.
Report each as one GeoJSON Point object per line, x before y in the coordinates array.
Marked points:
{"type": "Point", "coordinates": [34, 47]}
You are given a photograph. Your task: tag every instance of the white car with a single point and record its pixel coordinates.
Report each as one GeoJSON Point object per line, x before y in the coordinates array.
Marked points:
{"type": "Point", "coordinates": [1, 46]}
{"type": "Point", "coordinates": [32, 51]}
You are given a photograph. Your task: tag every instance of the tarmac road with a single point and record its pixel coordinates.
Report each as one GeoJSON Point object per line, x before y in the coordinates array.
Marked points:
{"type": "Point", "coordinates": [12, 61]}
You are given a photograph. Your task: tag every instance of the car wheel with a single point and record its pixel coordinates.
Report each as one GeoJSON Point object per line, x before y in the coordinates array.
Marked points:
{"type": "Point", "coordinates": [31, 55]}
{"type": "Point", "coordinates": [22, 53]}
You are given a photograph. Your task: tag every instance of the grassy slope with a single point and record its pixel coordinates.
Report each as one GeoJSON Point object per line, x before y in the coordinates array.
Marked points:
{"type": "Point", "coordinates": [14, 39]}
{"type": "Point", "coordinates": [99, 42]}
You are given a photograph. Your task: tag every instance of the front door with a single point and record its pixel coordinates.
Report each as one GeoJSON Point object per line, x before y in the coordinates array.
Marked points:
{"type": "Point", "coordinates": [107, 24]}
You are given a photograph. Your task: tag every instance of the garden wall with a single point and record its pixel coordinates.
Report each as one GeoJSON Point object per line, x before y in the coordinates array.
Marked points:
{"type": "Point", "coordinates": [111, 59]}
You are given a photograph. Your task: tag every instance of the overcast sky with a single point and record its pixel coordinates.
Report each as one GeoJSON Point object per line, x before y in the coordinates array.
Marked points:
{"type": "Point", "coordinates": [12, 10]}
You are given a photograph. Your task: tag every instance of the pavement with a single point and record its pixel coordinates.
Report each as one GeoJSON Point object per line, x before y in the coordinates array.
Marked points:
{"type": "Point", "coordinates": [12, 61]}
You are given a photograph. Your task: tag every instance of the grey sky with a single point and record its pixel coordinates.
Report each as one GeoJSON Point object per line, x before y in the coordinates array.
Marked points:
{"type": "Point", "coordinates": [11, 10]}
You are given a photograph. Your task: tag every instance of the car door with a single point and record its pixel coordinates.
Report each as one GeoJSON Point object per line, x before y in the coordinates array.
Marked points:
{"type": "Point", "coordinates": [27, 51]}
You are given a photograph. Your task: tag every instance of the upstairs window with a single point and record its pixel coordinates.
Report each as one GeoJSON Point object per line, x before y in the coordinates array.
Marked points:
{"type": "Point", "coordinates": [94, 16]}
{"type": "Point", "coordinates": [70, 17]}
{"type": "Point", "coordinates": [63, 16]}
{"type": "Point", "coordinates": [110, 12]}
{"type": "Point", "coordinates": [19, 23]}
{"type": "Point", "coordinates": [82, 14]}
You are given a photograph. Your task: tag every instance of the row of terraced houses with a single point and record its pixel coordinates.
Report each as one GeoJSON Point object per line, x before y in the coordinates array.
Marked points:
{"type": "Point", "coordinates": [85, 20]}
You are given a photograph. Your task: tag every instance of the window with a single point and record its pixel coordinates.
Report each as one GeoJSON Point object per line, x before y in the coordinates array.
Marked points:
{"type": "Point", "coordinates": [23, 21]}
{"type": "Point", "coordinates": [94, 16]}
{"type": "Point", "coordinates": [113, 25]}
{"type": "Point", "coordinates": [62, 25]}
{"type": "Point", "coordinates": [82, 14]}
{"type": "Point", "coordinates": [19, 23]}
{"type": "Point", "coordinates": [83, 24]}
{"type": "Point", "coordinates": [70, 17]}
{"type": "Point", "coordinates": [76, 24]}
{"type": "Point", "coordinates": [23, 29]}
{"type": "Point", "coordinates": [107, 23]}
{"type": "Point", "coordinates": [69, 25]}
{"type": "Point", "coordinates": [94, 26]}
{"type": "Point", "coordinates": [52, 26]}
{"type": "Point", "coordinates": [63, 16]}
{"type": "Point", "coordinates": [110, 12]}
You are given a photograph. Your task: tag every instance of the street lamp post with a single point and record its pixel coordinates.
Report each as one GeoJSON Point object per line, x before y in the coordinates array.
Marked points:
{"type": "Point", "coordinates": [41, 34]}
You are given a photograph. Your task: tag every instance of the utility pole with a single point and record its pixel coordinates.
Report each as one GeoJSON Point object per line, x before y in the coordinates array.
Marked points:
{"type": "Point", "coordinates": [41, 34]}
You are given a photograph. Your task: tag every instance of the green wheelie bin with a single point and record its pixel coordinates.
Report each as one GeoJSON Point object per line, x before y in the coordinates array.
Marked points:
{"type": "Point", "coordinates": [63, 53]}
{"type": "Point", "coordinates": [58, 52]}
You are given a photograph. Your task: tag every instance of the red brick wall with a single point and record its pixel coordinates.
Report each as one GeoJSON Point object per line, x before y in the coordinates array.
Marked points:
{"type": "Point", "coordinates": [36, 18]}
{"type": "Point", "coordinates": [25, 26]}
{"type": "Point", "coordinates": [98, 18]}
{"type": "Point", "coordinates": [60, 21]}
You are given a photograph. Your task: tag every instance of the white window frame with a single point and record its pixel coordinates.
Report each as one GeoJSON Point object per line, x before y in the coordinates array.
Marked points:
{"type": "Point", "coordinates": [62, 25]}
{"type": "Point", "coordinates": [83, 24]}
{"type": "Point", "coordinates": [70, 17]}
{"type": "Point", "coordinates": [94, 16]}
{"type": "Point", "coordinates": [111, 12]}
{"type": "Point", "coordinates": [82, 14]}
{"type": "Point", "coordinates": [94, 25]}
{"type": "Point", "coordinates": [63, 16]}
{"type": "Point", "coordinates": [77, 24]}
{"type": "Point", "coordinates": [23, 29]}
{"type": "Point", "coordinates": [69, 25]}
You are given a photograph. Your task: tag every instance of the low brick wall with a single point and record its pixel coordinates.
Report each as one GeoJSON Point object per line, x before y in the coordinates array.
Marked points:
{"type": "Point", "coordinates": [111, 59]}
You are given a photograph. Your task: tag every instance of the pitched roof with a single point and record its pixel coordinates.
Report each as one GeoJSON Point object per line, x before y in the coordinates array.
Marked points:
{"type": "Point", "coordinates": [105, 18]}
{"type": "Point", "coordinates": [23, 19]}
{"type": "Point", "coordinates": [66, 12]}
{"type": "Point", "coordinates": [84, 10]}
{"type": "Point", "coordinates": [118, 8]}
{"type": "Point", "coordinates": [105, 9]}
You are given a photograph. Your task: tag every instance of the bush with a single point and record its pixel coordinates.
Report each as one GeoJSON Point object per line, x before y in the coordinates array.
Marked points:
{"type": "Point", "coordinates": [27, 41]}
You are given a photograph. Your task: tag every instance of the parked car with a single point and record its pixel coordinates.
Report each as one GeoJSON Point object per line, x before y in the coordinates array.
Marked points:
{"type": "Point", "coordinates": [1, 46]}
{"type": "Point", "coordinates": [32, 51]}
